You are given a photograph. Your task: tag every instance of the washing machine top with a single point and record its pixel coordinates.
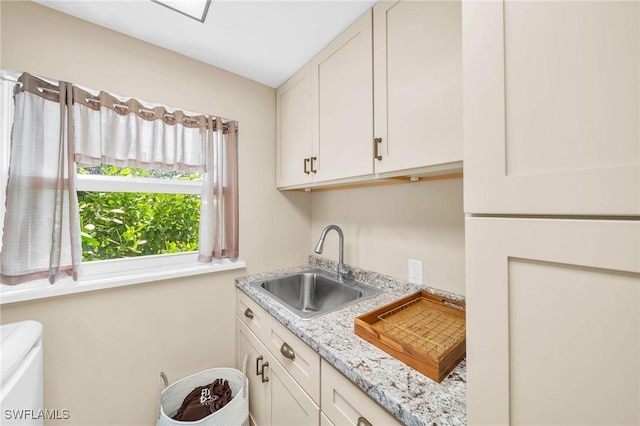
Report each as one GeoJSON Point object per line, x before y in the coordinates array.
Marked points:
{"type": "Point", "coordinates": [16, 340]}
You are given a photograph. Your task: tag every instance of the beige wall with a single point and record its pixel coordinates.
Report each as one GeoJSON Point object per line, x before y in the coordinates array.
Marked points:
{"type": "Point", "coordinates": [387, 225]}
{"type": "Point", "coordinates": [104, 349]}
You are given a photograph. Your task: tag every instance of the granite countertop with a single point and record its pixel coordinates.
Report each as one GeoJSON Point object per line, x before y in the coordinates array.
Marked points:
{"type": "Point", "coordinates": [412, 397]}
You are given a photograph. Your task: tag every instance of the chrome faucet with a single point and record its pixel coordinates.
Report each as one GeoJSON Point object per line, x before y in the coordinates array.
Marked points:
{"type": "Point", "coordinates": [342, 271]}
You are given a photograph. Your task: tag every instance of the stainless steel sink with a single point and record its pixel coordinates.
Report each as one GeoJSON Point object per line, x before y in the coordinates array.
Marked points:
{"type": "Point", "coordinates": [314, 292]}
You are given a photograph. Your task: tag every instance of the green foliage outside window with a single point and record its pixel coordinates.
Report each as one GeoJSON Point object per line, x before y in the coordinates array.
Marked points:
{"type": "Point", "coordinates": [128, 224]}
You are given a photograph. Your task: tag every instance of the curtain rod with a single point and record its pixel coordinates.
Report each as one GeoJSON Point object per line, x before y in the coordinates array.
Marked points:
{"type": "Point", "coordinates": [5, 77]}
{"type": "Point", "coordinates": [12, 80]}
{"type": "Point", "coordinates": [19, 83]}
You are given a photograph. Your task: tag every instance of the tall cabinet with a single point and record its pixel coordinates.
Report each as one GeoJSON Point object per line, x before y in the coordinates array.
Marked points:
{"type": "Point", "coordinates": [552, 196]}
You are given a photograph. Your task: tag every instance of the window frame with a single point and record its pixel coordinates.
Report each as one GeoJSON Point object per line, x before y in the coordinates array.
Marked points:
{"type": "Point", "coordinates": [86, 183]}
{"type": "Point", "coordinates": [111, 273]}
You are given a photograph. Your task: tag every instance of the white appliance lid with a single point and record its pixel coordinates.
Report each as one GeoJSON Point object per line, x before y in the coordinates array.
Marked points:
{"type": "Point", "coordinates": [16, 340]}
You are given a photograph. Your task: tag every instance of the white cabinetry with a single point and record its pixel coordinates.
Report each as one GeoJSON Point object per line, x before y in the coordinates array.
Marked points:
{"type": "Point", "coordinates": [342, 76]}
{"type": "Point", "coordinates": [553, 321]}
{"type": "Point", "coordinates": [325, 113]}
{"type": "Point", "coordinates": [288, 381]}
{"type": "Point", "coordinates": [552, 107]}
{"type": "Point", "coordinates": [299, 359]}
{"type": "Point", "coordinates": [395, 76]}
{"type": "Point", "coordinates": [275, 397]}
{"type": "Point", "coordinates": [343, 404]}
{"type": "Point", "coordinates": [294, 130]}
{"type": "Point", "coordinates": [417, 83]}
{"type": "Point", "coordinates": [552, 132]}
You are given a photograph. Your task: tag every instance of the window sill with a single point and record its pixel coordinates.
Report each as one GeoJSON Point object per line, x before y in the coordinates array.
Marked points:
{"type": "Point", "coordinates": [101, 275]}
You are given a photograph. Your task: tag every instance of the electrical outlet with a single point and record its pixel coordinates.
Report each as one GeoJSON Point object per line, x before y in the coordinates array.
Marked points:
{"type": "Point", "coordinates": [415, 271]}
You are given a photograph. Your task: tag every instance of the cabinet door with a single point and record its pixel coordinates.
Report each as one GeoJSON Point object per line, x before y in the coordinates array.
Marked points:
{"type": "Point", "coordinates": [288, 404]}
{"type": "Point", "coordinates": [342, 76]}
{"type": "Point", "coordinates": [279, 400]}
{"type": "Point", "coordinates": [553, 321]}
{"type": "Point", "coordinates": [248, 344]}
{"type": "Point", "coordinates": [552, 107]}
{"type": "Point", "coordinates": [418, 83]}
{"type": "Point", "coordinates": [346, 405]}
{"type": "Point", "coordinates": [324, 420]}
{"type": "Point", "coordinates": [293, 129]}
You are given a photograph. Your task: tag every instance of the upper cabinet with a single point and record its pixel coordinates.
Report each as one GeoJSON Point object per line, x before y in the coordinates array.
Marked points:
{"type": "Point", "coordinates": [342, 77]}
{"type": "Point", "coordinates": [294, 130]}
{"type": "Point", "coordinates": [386, 100]}
{"type": "Point", "coordinates": [552, 107]}
{"type": "Point", "coordinates": [325, 113]}
{"type": "Point", "coordinates": [417, 84]}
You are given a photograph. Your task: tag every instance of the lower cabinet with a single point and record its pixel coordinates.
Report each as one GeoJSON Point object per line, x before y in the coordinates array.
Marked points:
{"type": "Point", "coordinates": [343, 403]}
{"type": "Point", "coordinates": [324, 420]}
{"type": "Point", "coordinates": [275, 398]}
{"type": "Point", "coordinates": [289, 384]}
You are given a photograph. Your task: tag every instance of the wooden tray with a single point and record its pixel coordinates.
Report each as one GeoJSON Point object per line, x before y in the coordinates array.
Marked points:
{"type": "Point", "coordinates": [425, 331]}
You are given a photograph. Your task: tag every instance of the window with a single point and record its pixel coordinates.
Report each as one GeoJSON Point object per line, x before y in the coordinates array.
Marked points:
{"type": "Point", "coordinates": [130, 212]}
{"type": "Point", "coordinates": [83, 171]}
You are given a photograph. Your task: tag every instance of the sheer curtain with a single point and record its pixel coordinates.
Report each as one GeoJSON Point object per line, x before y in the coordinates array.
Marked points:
{"type": "Point", "coordinates": [219, 212]}
{"type": "Point", "coordinates": [56, 127]}
{"type": "Point", "coordinates": [127, 133]}
{"type": "Point", "coordinates": [6, 116]}
{"type": "Point", "coordinates": [41, 237]}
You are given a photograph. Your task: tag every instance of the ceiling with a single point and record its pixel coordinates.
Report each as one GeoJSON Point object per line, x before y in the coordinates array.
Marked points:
{"type": "Point", "coordinates": [266, 41]}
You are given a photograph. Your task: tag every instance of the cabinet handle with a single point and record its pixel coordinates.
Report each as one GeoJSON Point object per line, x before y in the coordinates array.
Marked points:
{"type": "Point", "coordinates": [306, 162]}
{"type": "Point", "coordinates": [260, 370]}
{"type": "Point", "coordinates": [287, 351]}
{"type": "Point", "coordinates": [376, 147]}
{"type": "Point", "coordinates": [248, 313]}
{"type": "Point", "coordinates": [313, 169]}
{"type": "Point", "coordinates": [363, 422]}
{"type": "Point", "coordinates": [265, 365]}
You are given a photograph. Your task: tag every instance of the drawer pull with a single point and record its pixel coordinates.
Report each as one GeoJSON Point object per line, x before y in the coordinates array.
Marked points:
{"type": "Point", "coordinates": [248, 313]}
{"type": "Point", "coordinates": [287, 351]}
{"type": "Point", "coordinates": [363, 422]}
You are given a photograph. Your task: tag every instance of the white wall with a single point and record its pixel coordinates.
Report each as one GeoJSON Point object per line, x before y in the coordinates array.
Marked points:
{"type": "Point", "coordinates": [387, 225]}
{"type": "Point", "coordinates": [104, 349]}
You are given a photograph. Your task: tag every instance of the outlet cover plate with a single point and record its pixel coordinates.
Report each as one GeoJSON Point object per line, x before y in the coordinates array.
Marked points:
{"type": "Point", "coordinates": [415, 271]}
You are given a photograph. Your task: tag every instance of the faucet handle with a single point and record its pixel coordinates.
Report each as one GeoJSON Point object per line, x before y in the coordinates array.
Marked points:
{"type": "Point", "coordinates": [346, 273]}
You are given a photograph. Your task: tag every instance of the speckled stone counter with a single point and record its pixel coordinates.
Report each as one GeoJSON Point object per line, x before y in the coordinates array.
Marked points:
{"type": "Point", "coordinates": [412, 397]}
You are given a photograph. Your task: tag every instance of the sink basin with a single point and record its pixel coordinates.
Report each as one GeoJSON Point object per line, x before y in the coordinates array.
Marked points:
{"type": "Point", "coordinates": [314, 292]}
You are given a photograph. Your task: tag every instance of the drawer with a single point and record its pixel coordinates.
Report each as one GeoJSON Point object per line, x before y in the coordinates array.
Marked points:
{"type": "Point", "coordinates": [252, 314]}
{"type": "Point", "coordinates": [295, 356]}
{"type": "Point", "coordinates": [345, 404]}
